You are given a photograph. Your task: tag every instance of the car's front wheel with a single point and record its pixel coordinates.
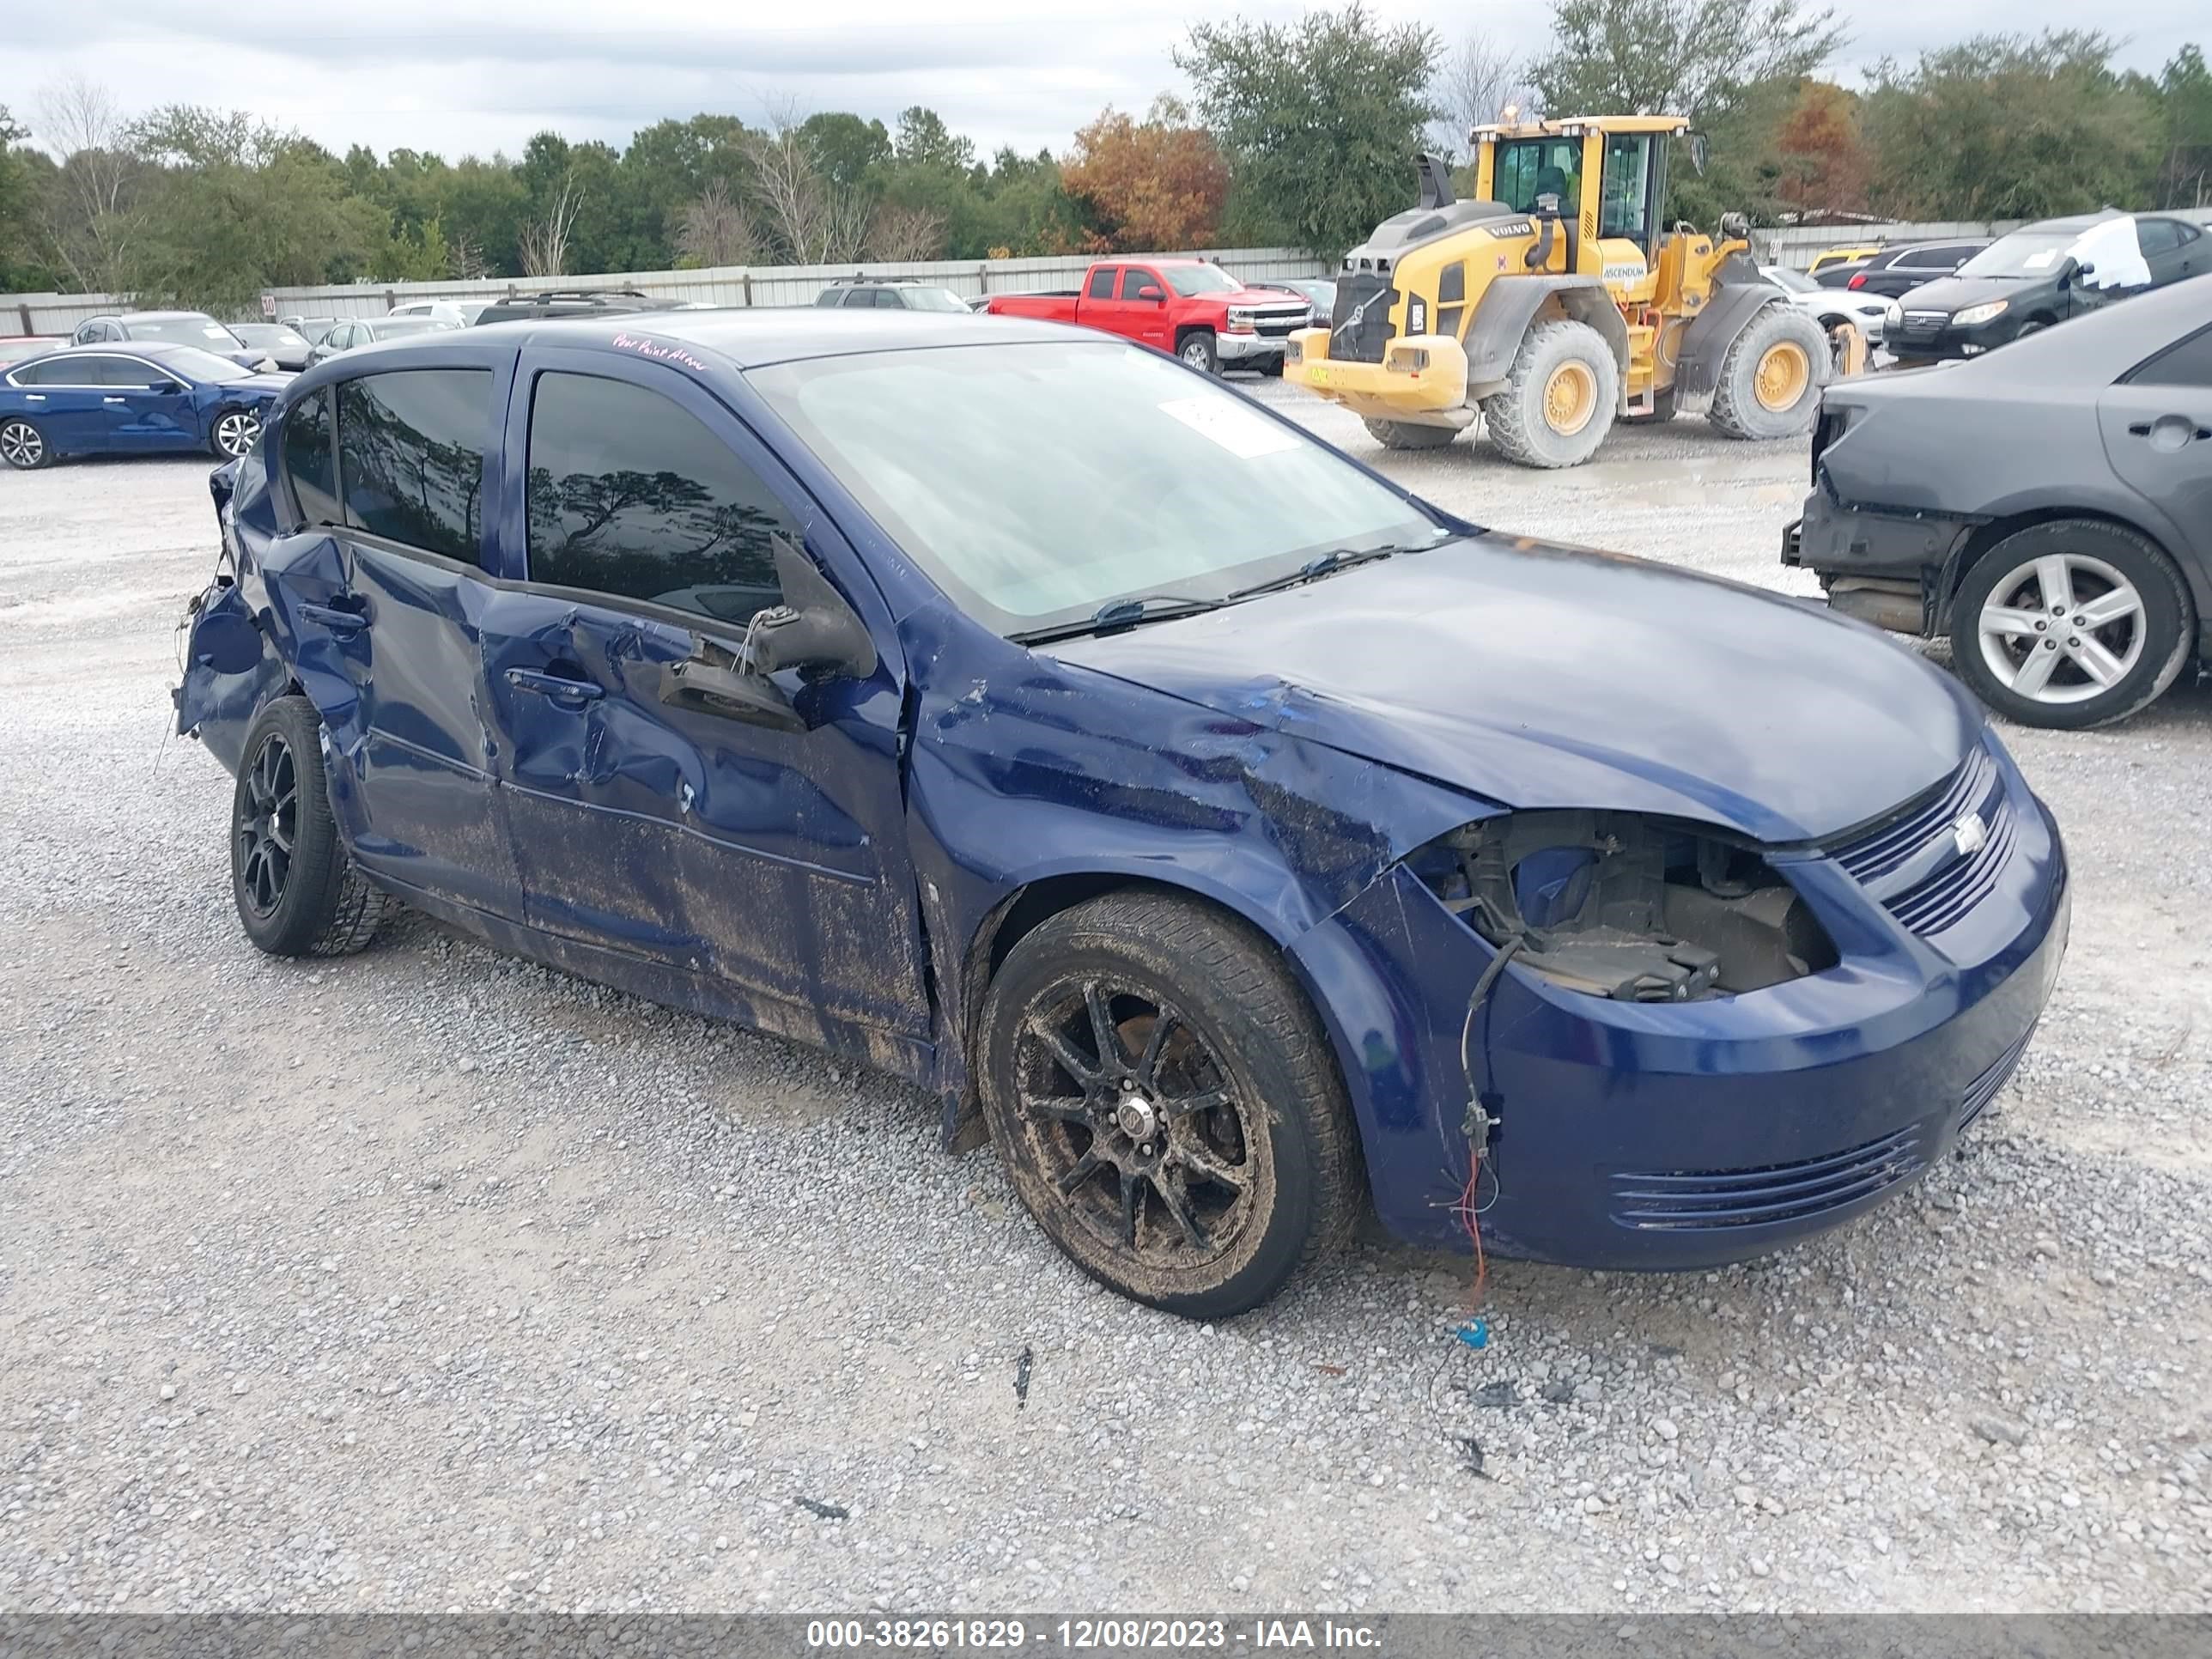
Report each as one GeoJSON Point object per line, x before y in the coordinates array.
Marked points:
{"type": "Point", "coordinates": [2070, 624]}
{"type": "Point", "coordinates": [23, 447]}
{"type": "Point", "coordinates": [1166, 1104]}
{"type": "Point", "coordinates": [297, 888]}
{"type": "Point", "coordinates": [1198, 350]}
{"type": "Point", "coordinates": [234, 432]}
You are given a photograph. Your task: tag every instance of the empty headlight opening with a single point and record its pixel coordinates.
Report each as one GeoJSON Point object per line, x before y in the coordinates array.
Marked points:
{"type": "Point", "coordinates": [1634, 909]}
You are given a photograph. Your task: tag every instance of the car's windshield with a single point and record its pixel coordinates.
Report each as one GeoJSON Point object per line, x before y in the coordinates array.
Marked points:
{"type": "Point", "coordinates": [1038, 482]}
{"type": "Point", "coordinates": [191, 361]}
{"type": "Point", "coordinates": [386, 328]}
{"type": "Point", "coordinates": [934, 299]}
{"type": "Point", "coordinates": [1791, 282]}
{"type": "Point", "coordinates": [1188, 280]}
{"type": "Point", "coordinates": [184, 331]}
{"type": "Point", "coordinates": [275, 334]}
{"type": "Point", "coordinates": [2023, 253]}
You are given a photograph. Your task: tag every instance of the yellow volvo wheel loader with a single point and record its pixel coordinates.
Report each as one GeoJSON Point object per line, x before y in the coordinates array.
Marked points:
{"type": "Point", "coordinates": [1560, 301]}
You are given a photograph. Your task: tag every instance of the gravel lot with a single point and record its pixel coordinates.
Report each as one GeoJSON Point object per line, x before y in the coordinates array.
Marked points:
{"type": "Point", "coordinates": [430, 1278]}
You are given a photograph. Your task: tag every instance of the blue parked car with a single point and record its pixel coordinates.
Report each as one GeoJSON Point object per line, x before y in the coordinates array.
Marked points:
{"type": "Point", "coordinates": [129, 400]}
{"type": "Point", "coordinates": [1234, 836]}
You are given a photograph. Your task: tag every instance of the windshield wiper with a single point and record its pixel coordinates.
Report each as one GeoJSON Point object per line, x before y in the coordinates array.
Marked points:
{"type": "Point", "coordinates": [1326, 564]}
{"type": "Point", "coordinates": [1122, 613]}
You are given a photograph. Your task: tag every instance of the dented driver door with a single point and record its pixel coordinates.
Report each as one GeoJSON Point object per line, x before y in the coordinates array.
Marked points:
{"type": "Point", "coordinates": [653, 823]}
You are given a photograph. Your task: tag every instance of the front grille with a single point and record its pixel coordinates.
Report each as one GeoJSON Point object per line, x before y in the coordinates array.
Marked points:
{"type": "Point", "coordinates": [1925, 322]}
{"type": "Point", "coordinates": [1912, 862]}
{"type": "Point", "coordinates": [1994, 1075]}
{"type": "Point", "coordinates": [1359, 329]}
{"type": "Point", "coordinates": [1279, 325]}
{"type": "Point", "coordinates": [1706, 1200]}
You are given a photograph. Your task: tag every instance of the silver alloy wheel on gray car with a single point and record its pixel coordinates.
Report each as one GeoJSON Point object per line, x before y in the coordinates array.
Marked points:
{"type": "Point", "coordinates": [235, 433]}
{"type": "Point", "coordinates": [2062, 629]}
{"type": "Point", "coordinates": [23, 446]}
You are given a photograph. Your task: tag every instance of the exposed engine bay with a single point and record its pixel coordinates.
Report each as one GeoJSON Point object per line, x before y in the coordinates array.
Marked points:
{"type": "Point", "coordinates": [1633, 908]}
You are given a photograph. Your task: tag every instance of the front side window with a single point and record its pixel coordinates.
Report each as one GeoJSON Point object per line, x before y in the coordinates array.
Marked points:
{"type": "Point", "coordinates": [2158, 235]}
{"type": "Point", "coordinates": [1036, 482]}
{"type": "Point", "coordinates": [830, 296]}
{"type": "Point", "coordinates": [310, 459]}
{"type": "Point", "coordinates": [410, 452]}
{"type": "Point", "coordinates": [631, 494]}
{"type": "Point", "coordinates": [1529, 168]}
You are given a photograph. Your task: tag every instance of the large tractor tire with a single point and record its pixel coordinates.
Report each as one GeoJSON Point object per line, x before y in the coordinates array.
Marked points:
{"type": "Point", "coordinates": [1408, 435]}
{"type": "Point", "coordinates": [1560, 401]}
{"type": "Point", "coordinates": [1770, 381]}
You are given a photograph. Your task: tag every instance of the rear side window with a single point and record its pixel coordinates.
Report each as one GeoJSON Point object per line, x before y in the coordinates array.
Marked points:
{"type": "Point", "coordinates": [310, 459]}
{"type": "Point", "coordinates": [2159, 235]}
{"type": "Point", "coordinates": [2187, 363]}
{"type": "Point", "coordinates": [1102, 283]}
{"type": "Point", "coordinates": [632, 496]}
{"type": "Point", "coordinates": [410, 452]}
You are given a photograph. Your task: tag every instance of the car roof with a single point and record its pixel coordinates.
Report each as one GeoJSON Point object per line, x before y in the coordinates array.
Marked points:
{"type": "Point", "coordinates": [154, 316]}
{"type": "Point", "coordinates": [2078, 220]}
{"type": "Point", "coordinates": [750, 339]}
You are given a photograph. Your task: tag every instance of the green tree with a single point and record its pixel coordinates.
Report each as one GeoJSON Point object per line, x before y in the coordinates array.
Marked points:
{"type": "Point", "coordinates": [846, 150]}
{"type": "Point", "coordinates": [2006, 126]}
{"type": "Point", "coordinates": [26, 173]}
{"type": "Point", "coordinates": [1320, 119]}
{"type": "Point", "coordinates": [2185, 101]}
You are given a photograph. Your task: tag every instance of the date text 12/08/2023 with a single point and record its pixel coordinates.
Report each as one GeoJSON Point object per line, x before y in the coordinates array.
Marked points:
{"type": "Point", "coordinates": [1106, 1634]}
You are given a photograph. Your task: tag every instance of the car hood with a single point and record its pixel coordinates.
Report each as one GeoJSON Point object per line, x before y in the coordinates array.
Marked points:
{"type": "Point", "coordinates": [265, 385]}
{"type": "Point", "coordinates": [1538, 675]}
{"type": "Point", "coordinates": [1957, 293]}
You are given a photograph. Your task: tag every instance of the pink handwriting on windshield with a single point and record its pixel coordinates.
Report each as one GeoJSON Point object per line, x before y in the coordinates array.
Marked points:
{"type": "Point", "coordinates": [653, 349]}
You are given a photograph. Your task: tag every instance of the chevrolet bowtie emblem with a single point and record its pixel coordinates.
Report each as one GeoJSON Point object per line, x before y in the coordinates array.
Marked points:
{"type": "Point", "coordinates": [1971, 834]}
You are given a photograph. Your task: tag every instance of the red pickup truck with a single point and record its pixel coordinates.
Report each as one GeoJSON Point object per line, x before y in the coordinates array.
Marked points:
{"type": "Point", "coordinates": [1194, 309]}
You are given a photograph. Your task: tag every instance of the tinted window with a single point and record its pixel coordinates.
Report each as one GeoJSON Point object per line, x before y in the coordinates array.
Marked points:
{"type": "Point", "coordinates": [55, 371]}
{"type": "Point", "coordinates": [410, 452]}
{"type": "Point", "coordinates": [310, 461]}
{"type": "Point", "coordinates": [2187, 363]}
{"type": "Point", "coordinates": [1939, 258]}
{"type": "Point", "coordinates": [1102, 283]}
{"type": "Point", "coordinates": [1135, 282]}
{"type": "Point", "coordinates": [631, 494]}
{"type": "Point", "coordinates": [2157, 235]}
{"type": "Point", "coordinates": [125, 371]}
{"type": "Point", "coordinates": [830, 296]}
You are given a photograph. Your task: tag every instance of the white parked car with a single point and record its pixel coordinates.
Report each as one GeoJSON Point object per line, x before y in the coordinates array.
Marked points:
{"type": "Point", "coordinates": [1831, 304]}
{"type": "Point", "coordinates": [458, 313]}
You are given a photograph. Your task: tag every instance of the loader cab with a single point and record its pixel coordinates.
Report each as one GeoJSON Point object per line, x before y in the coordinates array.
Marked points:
{"type": "Point", "coordinates": [1610, 174]}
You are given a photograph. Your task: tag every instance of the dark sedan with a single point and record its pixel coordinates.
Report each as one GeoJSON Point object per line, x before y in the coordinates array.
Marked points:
{"type": "Point", "coordinates": [129, 400]}
{"type": "Point", "coordinates": [1240, 835]}
{"type": "Point", "coordinates": [2040, 276]}
{"type": "Point", "coordinates": [283, 346]}
{"type": "Point", "coordinates": [1895, 271]}
{"type": "Point", "coordinates": [2048, 506]}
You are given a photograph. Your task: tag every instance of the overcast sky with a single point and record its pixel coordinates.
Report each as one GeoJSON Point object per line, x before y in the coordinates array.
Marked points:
{"type": "Point", "coordinates": [462, 76]}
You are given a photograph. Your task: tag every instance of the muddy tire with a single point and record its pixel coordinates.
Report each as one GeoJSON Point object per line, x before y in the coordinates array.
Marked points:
{"type": "Point", "coordinates": [2069, 624]}
{"type": "Point", "coordinates": [1197, 351]}
{"type": "Point", "coordinates": [1771, 379]}
{"type": "Point", "coordinates": [1410, 435]}
{"type": "Point", "coordinates": [23, 447]}
{"type": "Point", "coordinates": [1166, 1103]}
{"type": "Point", "coordinates": [1559, 400]}
{"type": "Point", "coordinates": [296, 888]}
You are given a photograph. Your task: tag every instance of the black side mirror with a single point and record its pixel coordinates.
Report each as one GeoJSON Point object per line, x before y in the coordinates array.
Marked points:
{"type": "Point", "coordinates": [813, 628]}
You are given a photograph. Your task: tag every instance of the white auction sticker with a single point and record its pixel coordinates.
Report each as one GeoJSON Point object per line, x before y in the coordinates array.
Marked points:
{"type": "Point", "coordinates": [1242, 433]}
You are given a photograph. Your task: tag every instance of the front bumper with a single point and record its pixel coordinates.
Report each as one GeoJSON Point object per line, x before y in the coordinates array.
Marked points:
{"type": "Point", "coordinates": [1420, 395]}
{"type": "Point", "coordinates": [1916, 346]}
{"type": "Point", "coordinates": [1674, 1136]}
{"type": "Point", "coordinates": [1245, 349]}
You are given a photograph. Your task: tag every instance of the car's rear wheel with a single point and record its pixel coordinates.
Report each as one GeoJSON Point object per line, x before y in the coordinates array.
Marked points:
{"type": "Point", "coordinates": [2070, 624]}
{"type": "Point", "coordinates": [234, 432]}
{"type": "Point", "coordinates": [297, 890]}
{"type": "Point", "coordinates": [1165, 1103]}
{"type": "Point", "coordinates": [23, 447]}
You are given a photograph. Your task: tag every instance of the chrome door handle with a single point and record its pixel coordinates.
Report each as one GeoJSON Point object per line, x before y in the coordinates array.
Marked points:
{"type": "Point", "coordinates": [330, 617]}
{"type": "Point", "coordinates": [114, 400]}
{"type": "Point", "coordinates": [555, 688]}
{"type": "Point", "coordinates": [35, 397]}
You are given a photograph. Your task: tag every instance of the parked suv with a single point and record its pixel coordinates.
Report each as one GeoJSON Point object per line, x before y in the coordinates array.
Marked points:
{"type": "Point", "coordinates": [2043, 274]}
{"type": "Point", "coordinates": [572, 302]}
{"type": "Point", "coordinates": [1892, 270]}
{"type": "Point", "coordinates": [890, 293]}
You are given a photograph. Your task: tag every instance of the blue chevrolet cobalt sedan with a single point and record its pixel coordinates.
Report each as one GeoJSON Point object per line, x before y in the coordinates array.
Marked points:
{"type": "Point", "coordinates": [130, 399]}
{"type": "Point", "coordinates": [1235, 836]}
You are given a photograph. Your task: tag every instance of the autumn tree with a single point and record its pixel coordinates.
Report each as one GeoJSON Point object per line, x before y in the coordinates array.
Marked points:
{"type": "Point", "coordinates": [1823, 162]}
{"type": "Point", "coordinates": [1154, 185]}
